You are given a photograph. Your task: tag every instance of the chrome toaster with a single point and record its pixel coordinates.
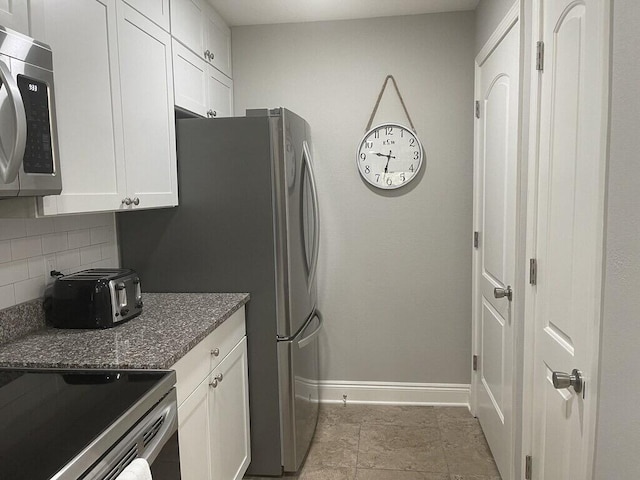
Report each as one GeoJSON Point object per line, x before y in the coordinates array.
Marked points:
{"type": "Point", "coordinates": [94, 298]}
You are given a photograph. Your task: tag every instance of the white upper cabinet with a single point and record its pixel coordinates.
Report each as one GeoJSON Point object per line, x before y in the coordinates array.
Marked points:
{"type": "Point", "coordinates": [155, 10]}
{"type": "Point", "coordinates": [190, 74]}
{"type": "Point", "coordinates": [187, 24]}
{"type": "Point", "coordinates": [14, 14]}
{"type": "Point", "coordinates": [217, 41]}
{"type": "Point", "coordinates": [196, 25]}
{"type": "Point", "coordinates": [87, 91]}
{"type": "Point", "coordinates": [200, 88]}
{"type": "Point", "coordinates": [114, 98]}
{"type": "Point", "coordinates": [146, 76]}
{"type": "Point", "coordinates": [220, 94]}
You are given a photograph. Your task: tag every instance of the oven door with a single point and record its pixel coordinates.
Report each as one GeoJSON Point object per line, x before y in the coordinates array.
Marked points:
{"type": "Point", "coordinates": [154, 438]}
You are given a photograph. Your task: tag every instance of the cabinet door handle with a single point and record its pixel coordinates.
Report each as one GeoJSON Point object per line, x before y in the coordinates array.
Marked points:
{"type": "Point", "coordinates": [126, 201]}
{"type": "Point", "coordinates": [216, 380]}
{"type": "Point", "coordinates": [136, 201]}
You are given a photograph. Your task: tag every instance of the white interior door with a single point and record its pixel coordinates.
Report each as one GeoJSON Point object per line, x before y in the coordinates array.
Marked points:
{"type": "Point", "coordinates": [497, 85]}
{"type": "Point", "coordinates": [569, 233]}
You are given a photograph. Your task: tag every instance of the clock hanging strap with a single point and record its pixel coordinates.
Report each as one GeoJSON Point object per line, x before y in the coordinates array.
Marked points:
{"type": "Point", "coordinates": [375, 109]}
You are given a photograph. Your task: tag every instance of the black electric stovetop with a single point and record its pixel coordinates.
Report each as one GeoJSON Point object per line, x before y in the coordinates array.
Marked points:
{"type": "Point", "coordinates": [48, 416]}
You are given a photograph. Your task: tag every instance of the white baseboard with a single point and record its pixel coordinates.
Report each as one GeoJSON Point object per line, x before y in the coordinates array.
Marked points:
{"type": "Point", "coordinates": [395, 393]}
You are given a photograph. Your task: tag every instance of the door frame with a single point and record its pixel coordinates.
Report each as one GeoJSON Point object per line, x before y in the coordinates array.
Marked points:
{"type": "Point", "coordinates": [515, 14]}
{"type": "Point", "coordinates": [533, 16]}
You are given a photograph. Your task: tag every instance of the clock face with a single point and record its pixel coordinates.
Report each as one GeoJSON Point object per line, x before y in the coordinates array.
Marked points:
{"type": "Point", "coordinates": [389, 156]}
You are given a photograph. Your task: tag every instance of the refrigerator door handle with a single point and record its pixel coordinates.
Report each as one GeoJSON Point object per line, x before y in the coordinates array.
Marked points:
{"type": "Point", "coordinates": [306, 154]}
{"type": "Point", "coordinates": [304, 341]}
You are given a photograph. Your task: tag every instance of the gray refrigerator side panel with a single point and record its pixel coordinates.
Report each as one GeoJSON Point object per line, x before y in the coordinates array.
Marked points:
{"type": "Point", "coordinates": [221, 239]}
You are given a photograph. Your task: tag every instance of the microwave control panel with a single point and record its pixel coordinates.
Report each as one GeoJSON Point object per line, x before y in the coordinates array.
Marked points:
{"type": "Point", "coordinates": [38, 152]}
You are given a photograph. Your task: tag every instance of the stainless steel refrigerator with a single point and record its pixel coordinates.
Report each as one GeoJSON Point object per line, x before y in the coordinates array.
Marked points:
{"type": "Point", "coordinates": [247, 222]}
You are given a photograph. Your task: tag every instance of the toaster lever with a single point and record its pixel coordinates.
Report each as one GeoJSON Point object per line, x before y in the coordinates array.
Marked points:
{"type": "Point", "coordinates": [122, 294]}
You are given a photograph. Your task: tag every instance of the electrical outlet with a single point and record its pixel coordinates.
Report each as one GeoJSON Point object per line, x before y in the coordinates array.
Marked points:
{"type": "Point", "coordinates": [49, 266]}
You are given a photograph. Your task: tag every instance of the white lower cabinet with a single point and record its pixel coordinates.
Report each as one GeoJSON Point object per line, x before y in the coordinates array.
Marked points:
{"type": "Point", "coordinates": [229, 416]}
{"type": "Point", "coordinates": [213, 405]}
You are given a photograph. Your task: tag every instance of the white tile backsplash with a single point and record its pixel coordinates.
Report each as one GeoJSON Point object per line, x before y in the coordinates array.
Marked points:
{"type": "Point", "coordinates": [5, 251]}
{"type": "Point", "coordinates": [90, 254]}
{"type": "Point", "coordinates": [12, 272]}
{"type": "Point", "coordinates": [26, 247]}
{"type": "Point", "coordinates": [79, 238]}
{"type": "Point", "coordinates": [56, 242]}
{"type": "Point", "coordinates": [7, 296]}
{"type": "Point", "coordinates": [72, 243]}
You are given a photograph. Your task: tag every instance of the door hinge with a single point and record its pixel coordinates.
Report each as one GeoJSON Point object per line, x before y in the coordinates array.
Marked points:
{"type": "Point", "coordinates": [476, 239]}
{"type": "Point", "coordinates": [540, 56]}
{"type": "Point", "coordinates": [477, 109]}
{"type": "Point", "coordinates": [533, 271]}
{"type": "Point", "coordinates": [527, 467]}
{"type": "Point", "coordinates": [475, 363]}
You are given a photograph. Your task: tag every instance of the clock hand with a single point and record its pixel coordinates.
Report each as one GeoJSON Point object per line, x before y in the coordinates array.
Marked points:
{"type": "Point", "coordinates": [389, 157]}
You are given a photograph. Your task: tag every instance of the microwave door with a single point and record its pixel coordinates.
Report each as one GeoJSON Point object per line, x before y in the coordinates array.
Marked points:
{"type": "Point", "coordinates": [40, 169]}
{"type": "Point", "coordinates": [13, 130]}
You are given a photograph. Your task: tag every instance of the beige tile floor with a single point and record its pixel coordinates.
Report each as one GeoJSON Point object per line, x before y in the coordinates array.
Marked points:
{"type": "Point", "coordinates": [376, 442]}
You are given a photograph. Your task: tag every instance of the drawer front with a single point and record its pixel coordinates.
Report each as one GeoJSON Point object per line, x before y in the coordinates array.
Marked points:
{"type": "Point", "coordinates": [196, 365]}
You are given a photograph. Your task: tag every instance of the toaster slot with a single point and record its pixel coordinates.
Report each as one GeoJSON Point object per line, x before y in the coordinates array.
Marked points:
{"type": "Point", "coordinates": [121, 294]}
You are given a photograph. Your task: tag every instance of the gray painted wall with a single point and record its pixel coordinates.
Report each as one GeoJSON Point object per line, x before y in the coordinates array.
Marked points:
{"type": "Point", "coordinates": [489, 14]}
{"type": "Point", "coordinates": [395, 270]}
{"type": "Point", "coordinates": [618, 434]}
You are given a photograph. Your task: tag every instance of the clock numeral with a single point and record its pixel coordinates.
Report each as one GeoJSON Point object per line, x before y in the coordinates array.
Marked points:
{"type": "Point", "coordinates": [389, 181]}
{"type": "Point", "coordinates": [369, 144]}
{"type": "Point", "coordinates": [377, 177]}
{"type": "Point", "coordinates": [416, 155]}
{"type": "Point", "coordinates": [402, 133]}
{"type": "Point", "coordinates": [402, 177]}
{"type": "Point", "coordinates": [376, 134]}
{"type": "Point", "coordinates": [363, 156]}
{"type": "Point", "coordinates": [388, 131]}
{"type": "Point", "coordinates": [412, 142]}
{"type": "Point", "coordinates": [367, 169]}
{"type": "Point", "coordinates": [411, 169]}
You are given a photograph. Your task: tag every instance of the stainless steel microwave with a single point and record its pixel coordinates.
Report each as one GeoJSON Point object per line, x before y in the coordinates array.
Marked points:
{"type": "Point", "coordinates": [29, 163]}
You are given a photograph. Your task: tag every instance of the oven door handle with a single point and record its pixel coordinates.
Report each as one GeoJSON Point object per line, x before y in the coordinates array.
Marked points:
{"type": "Point", "coordinates": [10, 161]}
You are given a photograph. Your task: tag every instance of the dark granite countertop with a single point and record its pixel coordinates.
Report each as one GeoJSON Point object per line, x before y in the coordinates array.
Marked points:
{"type": "Point", "coordinates": [170, 325]}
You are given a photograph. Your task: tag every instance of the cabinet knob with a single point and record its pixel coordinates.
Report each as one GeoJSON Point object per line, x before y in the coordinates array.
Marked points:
{"type": "Point", "coordinates": [215, 352]}
{"type": "Point", "coordinates": [136, 201]}
{"type": "Point", "coordinates": [208, 55]}
{"type": "Point", "coordinates": [216, 380]}
{"type": "Point", "coordinates": [209, 113]}
{"type": "Point", "coordinates": [215, 114]}
{"type": "Point", "coordinates": [126, 201]}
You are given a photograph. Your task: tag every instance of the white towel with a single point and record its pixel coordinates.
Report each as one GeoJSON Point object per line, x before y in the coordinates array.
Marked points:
{"type": "Point", "coordinates": [136, 470]}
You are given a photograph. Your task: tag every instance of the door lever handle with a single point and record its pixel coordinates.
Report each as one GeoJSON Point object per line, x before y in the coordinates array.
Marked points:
{"type": "Point", "coordinates": [503, 292]}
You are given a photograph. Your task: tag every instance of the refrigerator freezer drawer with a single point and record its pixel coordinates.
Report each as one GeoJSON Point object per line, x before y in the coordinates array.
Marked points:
{"type": "Point", "coordinates": [299, 399]}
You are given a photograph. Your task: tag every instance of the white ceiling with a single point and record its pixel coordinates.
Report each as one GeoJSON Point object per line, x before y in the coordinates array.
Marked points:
{"type": "Point", "coordinates": [257, 12]}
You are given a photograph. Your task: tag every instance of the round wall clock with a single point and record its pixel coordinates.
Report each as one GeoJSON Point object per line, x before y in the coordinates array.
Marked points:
{"type": "Point", "coordinates": [389, 156]}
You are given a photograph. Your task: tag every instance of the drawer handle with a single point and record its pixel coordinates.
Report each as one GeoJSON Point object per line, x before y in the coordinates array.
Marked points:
{"type": "Point", "coordinates": [215, 352]}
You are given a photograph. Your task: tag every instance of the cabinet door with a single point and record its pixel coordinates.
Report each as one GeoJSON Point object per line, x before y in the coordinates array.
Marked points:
{"type": "Point", "coordinates": [217, 41]}
{"type": "Point", "coordinates": [190, 75]}
{"type": "Point", "coordinates": [193, 418]}
{"type": "Point", "coordinates": [146, 78]}
{"type": "Point", "coordinates": [229, 416]}
{"type": "Point", "coordinates": [83, 37]}
{"type": "Point", "coordinates": [155, 10]}
{"type": "Point", "coordinates": [14, 14]}
{"type": "Point", "coordinates": [220, 94]}
{"type": "Point", "coordinates": [187, 25]}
